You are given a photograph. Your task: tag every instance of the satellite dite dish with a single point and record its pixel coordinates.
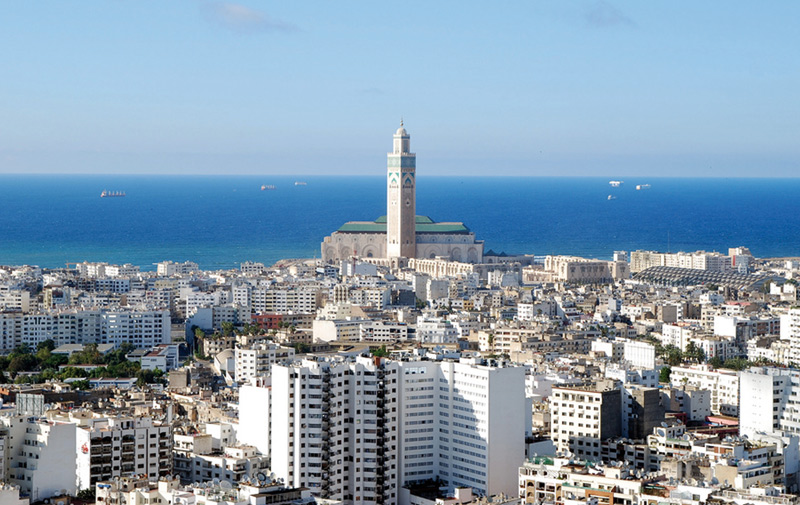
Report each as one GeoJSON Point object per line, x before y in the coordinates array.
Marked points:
{"type": "Point", "coordinates": [261, 477]}
{"type": "Point", "coordinates": [225, 484]}
{"type": "Point", "coordinates": [215, 481]}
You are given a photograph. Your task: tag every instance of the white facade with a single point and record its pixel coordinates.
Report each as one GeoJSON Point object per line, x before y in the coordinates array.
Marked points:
{"type": "Point", "coordinates": [147, 328]}
{"type": "Point", "coordinates": [170, 268]}
{"type": "Point", "coordinates": [118, 446]}
{"type": "Point", "coordinates": [355, 430]}
{"type": "Point", "coordinates": [723, 385]}
{"type": "Point", "coordinates": [436, 331]}
{"type": "Point", "coordinates": [41, 456]}
{"type": "Point", "coordinates": [640, 354]}
{"type": "Point", "coordinates": [337, 330]}
{"type": "Point", "coordinates": [258, 360]}
{"type": "Point", "coordinates": [383, 331]}
{"type": "Point", "coordinates": [254, 416]}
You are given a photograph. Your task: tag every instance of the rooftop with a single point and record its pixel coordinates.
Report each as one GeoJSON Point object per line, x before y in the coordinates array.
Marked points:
{"type": "Point", "coordinates": [424, 225]}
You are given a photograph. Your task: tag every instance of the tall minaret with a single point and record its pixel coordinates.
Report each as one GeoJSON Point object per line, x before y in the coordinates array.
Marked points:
{"type": "Point", "coordinates": [401, 198]}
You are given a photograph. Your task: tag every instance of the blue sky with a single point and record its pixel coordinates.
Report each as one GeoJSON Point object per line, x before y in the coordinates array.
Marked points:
{"type": "Point", "coordinates": [609, 88]}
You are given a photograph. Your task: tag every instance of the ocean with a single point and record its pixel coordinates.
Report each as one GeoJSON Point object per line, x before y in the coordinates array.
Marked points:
{"type": "Point", "coordinates": [221, 221]}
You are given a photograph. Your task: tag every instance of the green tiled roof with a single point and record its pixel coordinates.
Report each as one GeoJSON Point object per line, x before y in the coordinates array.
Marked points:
{"type": "Point", "coordinates": [424, 225]}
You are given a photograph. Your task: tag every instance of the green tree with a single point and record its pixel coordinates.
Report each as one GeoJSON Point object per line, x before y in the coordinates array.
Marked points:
{"type": "Point", "coordinates": [664, 374]}
{"type": "Point", "coordinates": [86, 494]}
{"type": "Point", "coordinates": [301, 348]}
{"type": "Point", "coordinates": [694, 353]}
{"type": "Point", "coordinates": [81, 385]}
{"type": "Point", "coordinates": [227, 328]}
{"type": "Point", "coordinates": [673, 355]}
{"type": "Point", "coordinates": [716, 362]}
{"type": "Point", "coordinates": [380, 352]}
{"type": "Point", "coordinates": [23, 363]}
{"type": "Point", "coordinates": [72, 372]}
{"type": "Point", "coordinates": [48, 344]}
{"type": "Point", "coordinates": [88, 356]}
{"type": "Point", "coordinates": [737, 364]}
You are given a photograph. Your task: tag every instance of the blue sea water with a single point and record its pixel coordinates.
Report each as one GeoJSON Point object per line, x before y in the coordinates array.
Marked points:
{"type": "Point", "coordinates": [220, 221]}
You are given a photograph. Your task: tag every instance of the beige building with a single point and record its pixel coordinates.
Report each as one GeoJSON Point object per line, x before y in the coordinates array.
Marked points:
{"type": "Point", "coordinates": [577, 270]}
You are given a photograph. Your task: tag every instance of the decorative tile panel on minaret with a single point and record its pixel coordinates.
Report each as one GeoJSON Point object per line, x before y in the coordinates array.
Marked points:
{"type": "Point", "coordinates": [401, 198]}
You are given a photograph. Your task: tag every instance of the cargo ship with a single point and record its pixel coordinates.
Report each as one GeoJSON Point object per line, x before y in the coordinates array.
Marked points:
{"type": "Point", "coordinates": [265, 187]}
{"type": "Point", "coordinates": [110, 194]}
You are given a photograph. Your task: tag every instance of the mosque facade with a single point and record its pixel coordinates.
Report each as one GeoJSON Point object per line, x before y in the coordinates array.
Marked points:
{"type": "Point", "coordinates": [401, 233]}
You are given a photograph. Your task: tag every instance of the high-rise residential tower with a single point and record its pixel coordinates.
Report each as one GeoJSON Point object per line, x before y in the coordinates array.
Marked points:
{"type": "Point", "coordinates": [401, 197]}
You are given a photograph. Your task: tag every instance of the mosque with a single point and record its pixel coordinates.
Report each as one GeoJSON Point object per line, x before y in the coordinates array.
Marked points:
{"type": "Point", "coordinates": [401, 233]}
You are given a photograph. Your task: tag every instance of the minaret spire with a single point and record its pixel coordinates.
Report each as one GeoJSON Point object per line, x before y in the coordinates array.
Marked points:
{"type": "Point", "coordinates": [401, 197]}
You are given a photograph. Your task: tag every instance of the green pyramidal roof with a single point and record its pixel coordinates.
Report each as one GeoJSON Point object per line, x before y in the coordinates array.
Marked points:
{"type": "Point", "coordinates": [424, 225]}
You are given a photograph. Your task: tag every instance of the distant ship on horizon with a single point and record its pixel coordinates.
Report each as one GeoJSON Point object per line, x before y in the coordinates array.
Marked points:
{"type": "Point", "coordinates": [300, 183]}
{"type": "Point", "coordinates": [642, 186]}
{"type": "Point", "coordinates": [111, 194]}
{"type": "Point", "coordinates": [265, 187]}
{"type": "Point", "coordinates": [612, 197]}
{"type": "Point", "coordinates": [616, 184]}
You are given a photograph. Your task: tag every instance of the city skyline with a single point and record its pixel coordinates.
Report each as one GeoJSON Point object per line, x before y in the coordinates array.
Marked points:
{"type": "Point", "coordinates": [588, 88]}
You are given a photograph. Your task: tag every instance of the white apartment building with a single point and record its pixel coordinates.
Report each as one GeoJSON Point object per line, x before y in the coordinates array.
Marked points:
{"type": "Point", "coordinates": [790, 333]}
{"type": "Point", "coordinates": [723, 384]}
{"type": "Point", "coordinates": [770, 411]}
{"type": "Point", "coordinates": [715, 346]}
{"type": "Point", "coordinates": [378, 297]}
{"type": "Point", "coordinates": [252, 268]}
{"type": "Point", "coordinates": [678, 335]}
{"type": "Point", "coordinates": [254, 415]}
{"type": "Point", "coordinates": [303, 300]}
{"type": "Point", "coordinates": [700, 260]}
{"type": "Point", "coordinates": [240, 295]}
{"type": "Point", "coordinates": [112, 285]}
{"type": "Point", "coordinates": [126, 270]}
{"type": "Point", "coordinates": [257, 360]}
{"type": "Point", "coordinates": [142, 328]}
{"type": "Point", "coordinates": [343, 330]}
{"type": "Point", "coordinates": [383, 331]}
{"type": "Point", "coordinates": [436, 330]}
{"type": "Point", "coordinates": [640, 354]}
{"type": "Point", "coordinates": [40, 456]}
{"type": "Point", "coordinates": [195, 460]}
{"type": "Point", "coordinates": [15, 300]}
{"type": "Point", "coordinates": [163, 357]}
{"type": "Point", "coordinates": [358, 431]}
{"type": "Point", "coordinates": [170, 268]}
{"type": "Point", "coordinates": [582, 417]}
{"type": "Point", "coordinates": [118, 446]}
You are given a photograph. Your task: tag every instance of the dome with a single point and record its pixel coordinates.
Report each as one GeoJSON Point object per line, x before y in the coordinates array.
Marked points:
{"type": "Point", "coordinates": [401, 131]}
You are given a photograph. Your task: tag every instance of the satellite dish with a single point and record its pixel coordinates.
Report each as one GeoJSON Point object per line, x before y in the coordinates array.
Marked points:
{"type": "Point", "coordinates": [215, 481]}
{"type": "Point", "coordinates": [261, 477]}
{"type": "Point", "coordinates": [225, 484]}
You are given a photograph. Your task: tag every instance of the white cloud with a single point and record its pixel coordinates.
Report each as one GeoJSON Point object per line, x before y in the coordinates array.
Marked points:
{"type": "Point", "coordinates": [243, 19]}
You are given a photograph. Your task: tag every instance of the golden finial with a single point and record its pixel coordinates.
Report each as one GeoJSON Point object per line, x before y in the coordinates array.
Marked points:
{"type": "Point", "coordinates": [401, 121]}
